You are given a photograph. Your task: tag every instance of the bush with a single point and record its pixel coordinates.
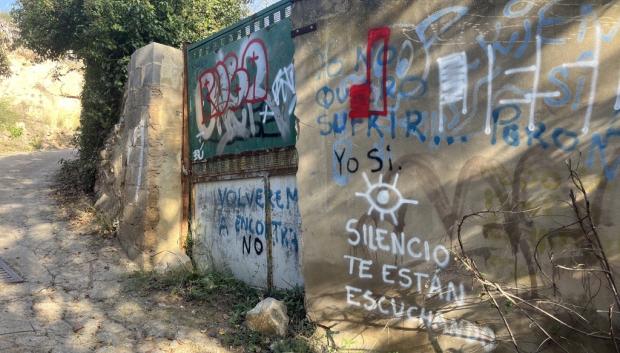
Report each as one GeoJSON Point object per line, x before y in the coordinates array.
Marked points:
{"type": "Point", "coordinates": [104, 33]}
{"type": "Point", "coordinates": [15, 131]}
{"type": "Point", "coordinates": [8, 117]}
{"type": "Point", "coordinates": [5, 45]}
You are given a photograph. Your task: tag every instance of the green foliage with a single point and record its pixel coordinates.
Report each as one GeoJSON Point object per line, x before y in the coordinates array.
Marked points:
{"type": "Point", "coordinates": [5, 65]}
{"type": "Point", "coordinates": [104, 34]}
{"type": "Point", "coordinates": [8, 117]}
{"type": "Point", "coordinates": [15, 131]}
{"type": "Point", "coordinates": [5, 45]}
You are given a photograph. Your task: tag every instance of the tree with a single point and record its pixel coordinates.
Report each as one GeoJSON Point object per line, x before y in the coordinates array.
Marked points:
{"type": "Point", "coordinates": [7, 35]}
{"type": "Point", "coordinates": [104, 34]}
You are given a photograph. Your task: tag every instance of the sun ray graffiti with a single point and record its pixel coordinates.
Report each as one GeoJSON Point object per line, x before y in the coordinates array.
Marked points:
{"type": "Point", "coordinates": [384, 198]}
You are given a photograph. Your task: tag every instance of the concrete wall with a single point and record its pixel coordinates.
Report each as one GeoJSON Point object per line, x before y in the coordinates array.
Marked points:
{"type": "Point", "coordinates": [230, 229]}
{"type": "Point", "coordinates": [460, 107]}
{"type": "Point", "coordinates": [139, 182]}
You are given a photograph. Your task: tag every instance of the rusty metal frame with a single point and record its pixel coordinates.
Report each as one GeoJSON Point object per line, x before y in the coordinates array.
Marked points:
{"type": "Point", "coordinates": [237, 176]}
{"type": "Point", "coordinates": [201, 174]}
{"type": "Point", "coordinates": [186, 165]}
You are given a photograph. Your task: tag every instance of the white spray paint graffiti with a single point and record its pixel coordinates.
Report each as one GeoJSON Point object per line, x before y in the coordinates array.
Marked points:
{"type": "Point", "coordinates": [282, 100]}
{"type": "Point", "coordinates": [530, 98]}
{"type": "Point", "coordinates": [491, 59]}
{"type": "Point", "coordinates": [227, 88]}
{"type": "Point", "coordinates": [593, 64]}
{"type": "Point", "coordinates": [138, 134]}
{"type": "Point", "coordinates": [452, 82]}
{"type": "Point", "coordinates": [385, 199]}
{"type": "Point", "coordinates": [466, 330]}
{"type": "Point", "coordinates": [617, 102]}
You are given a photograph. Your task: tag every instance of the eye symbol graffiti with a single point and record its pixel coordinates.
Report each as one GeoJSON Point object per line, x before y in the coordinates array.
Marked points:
{"type": "Point", "coordinates": [384, 198]}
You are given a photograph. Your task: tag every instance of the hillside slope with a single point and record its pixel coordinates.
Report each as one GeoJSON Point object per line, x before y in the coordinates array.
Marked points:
{"type": "Point", "coordinates": [40, 100]}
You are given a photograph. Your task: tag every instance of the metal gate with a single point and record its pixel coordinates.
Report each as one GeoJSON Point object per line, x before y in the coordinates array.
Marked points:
{"type": "Point", "coordinates": [240, 150]}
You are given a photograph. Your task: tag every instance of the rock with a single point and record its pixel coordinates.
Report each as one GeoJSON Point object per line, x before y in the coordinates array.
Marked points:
{"type": "Point", "coordinates": [268, 317]}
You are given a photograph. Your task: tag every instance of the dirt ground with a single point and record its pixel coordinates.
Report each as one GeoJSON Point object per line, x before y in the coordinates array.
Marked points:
{"type": "Point", "coordinates": [77, 295]}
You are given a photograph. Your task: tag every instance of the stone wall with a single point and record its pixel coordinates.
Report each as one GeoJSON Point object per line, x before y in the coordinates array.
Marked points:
{"type": "Point", "coordinates": [139, 181]}
{"type": "Point", "coordinates": [414, 114]}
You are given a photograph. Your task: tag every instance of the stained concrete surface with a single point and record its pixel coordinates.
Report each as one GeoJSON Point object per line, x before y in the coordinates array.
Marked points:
{"type": "Point", "coordinates": [75, 297]}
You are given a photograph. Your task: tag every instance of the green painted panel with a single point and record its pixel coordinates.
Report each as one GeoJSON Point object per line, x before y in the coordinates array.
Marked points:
{"type": "Point", "coordinates": [242, 94]}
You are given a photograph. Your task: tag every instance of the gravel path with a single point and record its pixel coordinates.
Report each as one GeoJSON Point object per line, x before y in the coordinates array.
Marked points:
{"type": "Point", "coordinates": [75, 297]}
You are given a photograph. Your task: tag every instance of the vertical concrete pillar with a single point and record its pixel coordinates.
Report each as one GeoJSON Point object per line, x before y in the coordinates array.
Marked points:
{"type": "Point", "coordinates": [145, 157]}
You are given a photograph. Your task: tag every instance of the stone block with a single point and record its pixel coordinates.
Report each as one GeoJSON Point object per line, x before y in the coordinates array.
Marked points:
{"type": "Point", "coordinates": [268, 317]}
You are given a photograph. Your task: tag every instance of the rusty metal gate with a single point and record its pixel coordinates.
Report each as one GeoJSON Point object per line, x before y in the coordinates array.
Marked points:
{"type": "Point", "coordinates": [240, 150]}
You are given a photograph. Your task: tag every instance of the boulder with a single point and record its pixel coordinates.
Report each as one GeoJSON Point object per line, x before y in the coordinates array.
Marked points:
{"type": "Point", "coordinates": [268, 317]}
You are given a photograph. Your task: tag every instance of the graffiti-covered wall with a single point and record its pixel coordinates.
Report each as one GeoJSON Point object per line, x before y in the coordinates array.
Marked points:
{"type": "Point", "coordinates": [230, 228]}
{"type": "Point", "coordinates": [242, 94]}
{"type": "Point", "coordinates": [414, 114]}
{"type": "Point", "coordinates": [242, 133]}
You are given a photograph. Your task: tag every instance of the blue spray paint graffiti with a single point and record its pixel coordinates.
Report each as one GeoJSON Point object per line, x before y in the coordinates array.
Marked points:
{"type": "Point", "coordinates": [520, 101]}
{"type": "Point", "coordinates": [234, 212]}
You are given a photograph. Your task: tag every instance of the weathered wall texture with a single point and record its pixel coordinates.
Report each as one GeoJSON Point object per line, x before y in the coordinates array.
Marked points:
{"type": "Point", "coordinates": [139, 183]}
{"type": "Point", "coordinates": [416, 113]}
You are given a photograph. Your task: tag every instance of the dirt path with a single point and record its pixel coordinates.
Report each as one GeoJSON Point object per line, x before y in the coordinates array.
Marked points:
{"type": "Point", "coordinates": [75, 297]}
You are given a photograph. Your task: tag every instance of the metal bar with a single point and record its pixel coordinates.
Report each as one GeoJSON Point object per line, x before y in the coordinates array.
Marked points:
{"type": "Point", "coordinates": [268, 235]}
{"type": "Point", "coordinates": [251, 164]}
{"type": "Point", "coordinates": [225, 177]}
{"type": "Point", "coordinates": [186, 164]}
{"type": "Point", "coordinates": [303, 30]}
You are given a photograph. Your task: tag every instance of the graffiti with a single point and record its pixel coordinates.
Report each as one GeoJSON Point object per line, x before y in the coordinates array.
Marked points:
{"type": "Point", "coordinates": [248, 245]}
{"type": "Point", "coordinates": [228, 85]}
{"type": "Point", "coordinates": [568, 84]}
{"type": "Point", "coordinates": [362, 94]}
{"type": "Point", "coordinates": [223, 114]}
{"type": "Point", "coordinates": [240, 213]}
{"type": "Point", "coordinates": [452, 82]}
{"type": "Point", "coordinates": [139, 133]}
{"type": "Point", "coordinates": [350, 164]}
{"type": "Point", "coordinates": [248, 198]}
{"type": "Point", "coordinates": [396, 244]}
{"type": "Point", "coordinates": [461, 113]}
{"type": "Point", "coordinates": [243, 96]}
{"type": "Point", "coordinates": [384, 198]}
{"type": "Point", "coordinates": [592, 64]}
{"type": "Point", "coordinates": [466, 330]}
{"type": "Point", "coordinates": [232, 230]}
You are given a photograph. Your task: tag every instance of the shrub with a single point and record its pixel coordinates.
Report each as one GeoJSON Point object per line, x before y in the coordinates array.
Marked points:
{"type": "Point", "coordinates": [8, 117]}
{"type": "Point", "coordinates": [15, 131]}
